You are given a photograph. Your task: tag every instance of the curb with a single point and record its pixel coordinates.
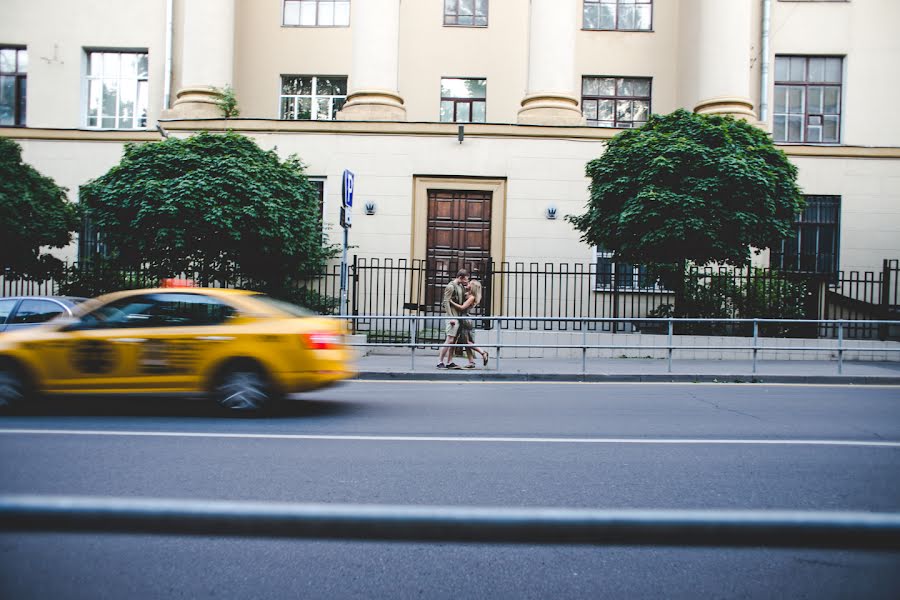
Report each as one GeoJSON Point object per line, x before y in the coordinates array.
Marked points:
{"type": "Point", "coordinates": [625, 378]}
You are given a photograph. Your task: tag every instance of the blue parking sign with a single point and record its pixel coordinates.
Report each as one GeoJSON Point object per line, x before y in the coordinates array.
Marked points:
{"type": "Point", "coordinates": [347, 189]}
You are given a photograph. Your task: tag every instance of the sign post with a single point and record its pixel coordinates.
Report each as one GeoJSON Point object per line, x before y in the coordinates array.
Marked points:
{"type": "Point", "coordinates": [346, 217]}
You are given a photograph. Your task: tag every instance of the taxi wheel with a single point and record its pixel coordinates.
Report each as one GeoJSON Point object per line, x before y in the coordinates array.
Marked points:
{"type": "Point", "coordinates": [243, 388]}
{"type": "Point", "coordinates": [13, 389]}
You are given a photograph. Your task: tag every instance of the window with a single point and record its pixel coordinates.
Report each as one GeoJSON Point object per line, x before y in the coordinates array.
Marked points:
{"type": "Point", "coordinates": [117, 90]}
{"type": "Point", "coordinates": [36, 311]}
{"type": "Point", "coordinates": [808, 99]}
{"type": "Point", "coordinates": [90, 243]}
{"type": "Point", "coordinates": [814, 246]}
{"type": "Point", "coordinates": [615, 101]}
{"type": "Point", "coordinates": [471, 13]}
{"type": "Point", "coordinates": [463, 100]}
{"type": "Point", "coordinates": [6, 307]}
{"type": "Point", "coordinates": [317, 13]}
{"type": "Point", "coordinates": [625, 275]}
{"type": "Point", "coordinates": [13, 80]}
{"type": "Point", "coordinates": [312, 97]}
{"type": "Point", "coordinates": [622, 15]}
{"type": "Point", "coordinates": [158, 310]}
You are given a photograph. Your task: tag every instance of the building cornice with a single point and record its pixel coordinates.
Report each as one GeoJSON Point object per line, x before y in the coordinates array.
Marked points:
{"type": "Point", "coordinates": [474, 130]}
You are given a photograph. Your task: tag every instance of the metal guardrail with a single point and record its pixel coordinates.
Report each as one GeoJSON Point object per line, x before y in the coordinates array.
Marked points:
{"type": "Point", "coordinates": [839, 347]}
{"type": "Point", "coordinates": [698, 528]}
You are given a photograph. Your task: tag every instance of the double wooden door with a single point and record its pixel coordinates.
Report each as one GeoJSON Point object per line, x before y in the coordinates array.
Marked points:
{"type": "Point", "coordinates": [458, 237]}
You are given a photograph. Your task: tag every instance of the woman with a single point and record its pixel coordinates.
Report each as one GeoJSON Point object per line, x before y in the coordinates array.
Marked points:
{"type": "Point", "coordinates": [466, 325]}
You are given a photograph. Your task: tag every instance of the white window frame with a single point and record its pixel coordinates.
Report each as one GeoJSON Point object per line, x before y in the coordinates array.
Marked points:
{"type": "Point", "coordinates": [137, 80]}
{"type": "Point", "coordinates": [298, 6]}
{"type": "Point", "coordinates": [314, 96]}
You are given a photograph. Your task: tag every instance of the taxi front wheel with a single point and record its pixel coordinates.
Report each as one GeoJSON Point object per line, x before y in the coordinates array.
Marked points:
{"type": "Point", "coordinates": [244, 388]}
{"type": "Point", "coordinates": [13, 389]}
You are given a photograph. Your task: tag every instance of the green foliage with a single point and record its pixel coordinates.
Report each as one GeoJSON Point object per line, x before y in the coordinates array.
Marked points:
{"type": "Point", "coordinates": [34, 213]}
{"type": "Point", "coordinates": [688, 187]}
{"type": "Point", "coordinates": [214, 204]}
{"type": "Point", "coordinates": [227, 102]}
{"type": "Point", "coordinates": [100, 277]}
{"type": "Point", "coordinates": [312, 300]}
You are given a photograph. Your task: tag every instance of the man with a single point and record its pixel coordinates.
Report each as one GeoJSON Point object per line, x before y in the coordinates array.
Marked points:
{"type": "Point", "coordinates": [455, 291]}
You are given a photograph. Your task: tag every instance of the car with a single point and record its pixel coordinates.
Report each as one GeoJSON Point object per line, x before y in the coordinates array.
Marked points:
{"type": "Point", "coordinates": [244, 349]}
{"type": "Point", "coordinates": [20, 312]}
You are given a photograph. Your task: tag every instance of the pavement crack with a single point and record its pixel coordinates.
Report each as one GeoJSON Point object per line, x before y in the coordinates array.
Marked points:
{"type": "Point", "coordinates": [725, 408]}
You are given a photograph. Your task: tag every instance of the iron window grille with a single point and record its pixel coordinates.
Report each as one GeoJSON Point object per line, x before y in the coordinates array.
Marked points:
{"type": "Point", "coordinates": [13, 86]}
{"type": "Point", "coordinates": [621, 275]}
{"type": "Point", "coordinates": [618, 15]}
{"type": "Point", "coordinates": [808, 99]}
{"type": "Point", "coordinates": [466, 13]}
{"type": "Point", "coordinates": [90, 244]}
{"type": "Point", "coordinates": [316, 13]}
{"type": "Point", "coordinates": [815, 245]}
{"type": "Point", "coordinates": [117, 90]}
{"type": "Point", "coordinates": [463, 100]}
{"type": "Point", "coordinates": [615, 101]}
{"type": "Point", "coordinates": [312, 97]}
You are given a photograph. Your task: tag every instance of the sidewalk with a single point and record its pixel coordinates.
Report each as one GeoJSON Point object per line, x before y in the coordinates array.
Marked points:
{"type": "Point", "coordinates": [402, 367]}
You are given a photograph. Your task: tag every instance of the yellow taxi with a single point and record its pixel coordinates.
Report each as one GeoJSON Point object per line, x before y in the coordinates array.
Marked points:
{"type": "Point", "coordinates": [244, 349]}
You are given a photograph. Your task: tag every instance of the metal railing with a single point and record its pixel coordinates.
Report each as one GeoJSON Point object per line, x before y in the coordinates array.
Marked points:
{"type": "Point", "coordinates": [673, 326]}
{"type": "Point", "coordinates": [684, 528]}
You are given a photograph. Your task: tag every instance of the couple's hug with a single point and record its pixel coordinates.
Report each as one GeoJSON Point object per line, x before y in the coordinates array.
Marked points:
{"type": "Point", "coordinates": [460, 296]}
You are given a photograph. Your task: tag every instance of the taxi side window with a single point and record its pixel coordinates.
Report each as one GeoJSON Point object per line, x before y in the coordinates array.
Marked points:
{"type": "Point", "coordinates": [6, 307]}
{"type": "Point", "coordinates": [36, 311]}
{"type": "Point", "coordinates": [158, 310]}
{"type": "Point", "coordinates": [174, 310]}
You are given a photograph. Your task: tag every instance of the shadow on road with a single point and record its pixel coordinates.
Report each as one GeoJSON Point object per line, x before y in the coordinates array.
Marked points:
{"type": "Point", "coordinates": [296, 407]}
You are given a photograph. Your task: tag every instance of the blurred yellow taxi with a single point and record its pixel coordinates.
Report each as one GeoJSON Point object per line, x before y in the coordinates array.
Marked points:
{"type": "Point", "coordinates": [244, 349]}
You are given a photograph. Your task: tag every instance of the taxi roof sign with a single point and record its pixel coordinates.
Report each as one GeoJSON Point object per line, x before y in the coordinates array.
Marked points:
{"type": "Point", "coordinates": [176, 282]}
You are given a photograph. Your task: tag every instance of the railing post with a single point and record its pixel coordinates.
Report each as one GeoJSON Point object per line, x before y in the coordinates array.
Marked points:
{"type": "Point", "coordinates": [840, 347]}
{"type": "Point", "coordinates": [413, 331]}
{"type": "Point", "coordinates": [670, 326]}
{"type": "Point", "coordinates": [583, 348]}
{"type": "Point", "coordinates": [885, 299]}
{"type": "Point", "coordinates": [755, 343]}
{"type": "Point", "coordinates": [499, 331]}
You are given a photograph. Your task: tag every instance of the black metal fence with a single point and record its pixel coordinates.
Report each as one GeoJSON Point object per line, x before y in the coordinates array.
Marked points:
{"type": "Point", "coordinates": [404, 287]}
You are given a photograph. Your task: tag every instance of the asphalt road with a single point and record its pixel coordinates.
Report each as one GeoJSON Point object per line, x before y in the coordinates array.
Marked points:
{"type": "Point", "coordinates": [688, 446]}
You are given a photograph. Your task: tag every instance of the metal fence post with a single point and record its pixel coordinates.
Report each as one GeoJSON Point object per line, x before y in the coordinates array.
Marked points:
{"type": "Point", "coordinates": [840, 347]}
{"type": "Point", "coordinates": [499, 330]}
{"type": "Point", "coordinates": [755, 343]}
{"type": "Point", "coordinates": [412, 340]}
{"type": "Point", "coordinates": [669, 343]}
{"type": "Point", "coordinates": [583, 348]}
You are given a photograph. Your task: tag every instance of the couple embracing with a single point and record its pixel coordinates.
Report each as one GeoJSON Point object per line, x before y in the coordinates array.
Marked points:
{"type": "Point", "coordinates": [460, 296]}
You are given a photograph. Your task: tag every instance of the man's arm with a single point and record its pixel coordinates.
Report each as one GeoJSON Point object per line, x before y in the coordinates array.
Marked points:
{"type": "Point", "coordinates": [448, 296]}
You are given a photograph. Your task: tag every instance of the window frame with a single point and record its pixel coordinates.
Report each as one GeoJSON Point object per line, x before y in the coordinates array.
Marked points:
{"type": "Point", "coordinates": [473, 15]}
{"type": "Point", "coordinates": [461, 100]}
{"type": "Point", "coordinates": [617, 3]}
{"type": "Point", "coordinates": [806, 84]}
{"type": "Point", "coordinates": [88, 78]}
{"type": "Point", "coordinates": [318, 3]}
{"type": "Point", "coordinates": [616, 99]}
{"type": "Point", "coordinates": [20, 81]}
{"type": "Point", "coordinates": [314, 105]}
{"type": "Point", "coordinates": [800, 226]}
{"type": "Point", "coordinates": [637, 273]}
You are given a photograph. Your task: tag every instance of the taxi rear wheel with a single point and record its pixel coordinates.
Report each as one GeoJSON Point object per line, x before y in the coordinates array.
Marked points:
{"type": "Point", "coordinates": [242, 387]}
{"type": "Point", "coordinates": [13, 389]}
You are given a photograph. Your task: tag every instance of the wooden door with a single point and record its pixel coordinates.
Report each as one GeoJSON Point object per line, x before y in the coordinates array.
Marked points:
{"type": "Point", "coordinates": [459, 237]}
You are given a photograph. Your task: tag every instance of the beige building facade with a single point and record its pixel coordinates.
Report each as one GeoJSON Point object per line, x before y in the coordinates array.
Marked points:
{"type": "Point", "coordinates": [468, 123]}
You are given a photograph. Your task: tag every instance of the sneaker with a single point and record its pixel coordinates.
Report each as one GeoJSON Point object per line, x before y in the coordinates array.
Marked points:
{"type": "Point", "coordinates": [469, 366]}
{"type": "Point", "coordinates": [452, 366]}
{"type": "Point", "coordinates": [441, 366]}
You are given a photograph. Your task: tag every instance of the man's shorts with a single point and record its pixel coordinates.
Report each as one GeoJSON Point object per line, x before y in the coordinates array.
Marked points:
{"type": "Point", "coordinates": [452, 327]}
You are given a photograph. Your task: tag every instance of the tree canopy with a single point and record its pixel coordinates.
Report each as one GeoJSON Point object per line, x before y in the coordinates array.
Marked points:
{"type": "Point", "coordinates": [687, 187]}
{"type": "Point", "coordinates": [34, 213]}
{"type": "Point", "coordinates": [213, 203]}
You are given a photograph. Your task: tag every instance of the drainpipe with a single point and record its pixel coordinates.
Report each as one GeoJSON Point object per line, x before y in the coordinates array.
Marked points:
{"type": "Point", "coordinates": [764, 62]}
{"type": "Point", "coordinates": [167, 83]}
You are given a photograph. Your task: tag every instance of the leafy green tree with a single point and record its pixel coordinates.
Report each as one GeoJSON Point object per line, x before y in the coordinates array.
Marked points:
{"type": "Point", "coordinates": [34, 213]}
{"type": "Point", "coordinates": [689, 188]}
{"type": "Point", "coordinates": [215, 204]}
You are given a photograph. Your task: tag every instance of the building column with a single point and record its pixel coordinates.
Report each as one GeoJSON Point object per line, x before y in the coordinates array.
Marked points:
{"type": "Point", "coordinates": [374, 94]}
{"type": "Point", "coordinates": [207, 58]}
{"type": "Point", "coordinates": [723, 58]}
{"type": "Point", "coordinates": [550, 99]}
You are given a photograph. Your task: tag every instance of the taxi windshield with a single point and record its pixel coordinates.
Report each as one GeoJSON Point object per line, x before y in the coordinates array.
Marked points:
{"type": "Point", "coordinates": [282, 306]}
